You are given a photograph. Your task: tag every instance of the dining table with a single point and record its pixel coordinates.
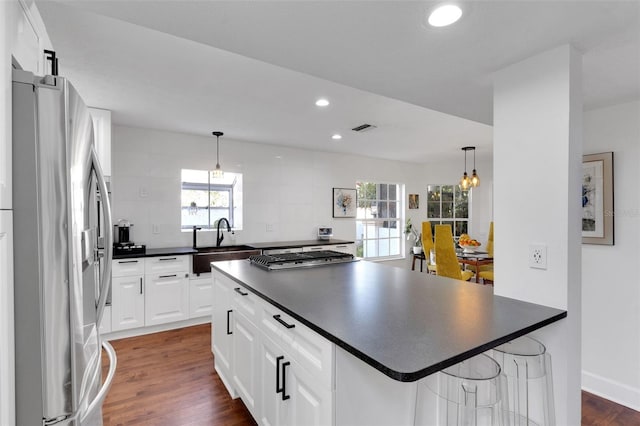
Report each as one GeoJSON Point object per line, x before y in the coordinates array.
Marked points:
{"type": "Point", "coordinates": [476, 259]}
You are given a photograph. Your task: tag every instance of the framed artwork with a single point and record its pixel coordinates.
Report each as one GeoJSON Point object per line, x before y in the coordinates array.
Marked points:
{"type": "Point", "coordinates": [414, 201]}
{"type": "Point", "coordinates": [597, 199]}
{"type": "Point", "coordinates": [344, 202]}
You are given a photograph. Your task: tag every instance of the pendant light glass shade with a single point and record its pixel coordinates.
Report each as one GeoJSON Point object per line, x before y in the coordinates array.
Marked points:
{"type": "Point", "coordinates": [218, 173]}
{"type": "Point", "coordinates": [465, 182]}
{"type": "Point", "coordinates": [469, 182]}
{"type": "Point", "coordinates": [475, 179]}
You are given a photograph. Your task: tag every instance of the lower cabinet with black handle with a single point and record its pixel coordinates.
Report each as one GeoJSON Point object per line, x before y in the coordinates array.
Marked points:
{"type": "Point", "coordinates": [282, 370]}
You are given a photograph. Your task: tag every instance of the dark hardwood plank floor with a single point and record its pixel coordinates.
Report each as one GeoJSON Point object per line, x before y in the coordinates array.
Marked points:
{"type": "Point", "coordinates": [168, 379]}
{"type": "Point", "coordinates": [598, 411]}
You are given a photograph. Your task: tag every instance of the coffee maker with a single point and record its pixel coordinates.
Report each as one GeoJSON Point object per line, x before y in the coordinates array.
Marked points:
{"type": "Point", "coordinates": [123, 243]}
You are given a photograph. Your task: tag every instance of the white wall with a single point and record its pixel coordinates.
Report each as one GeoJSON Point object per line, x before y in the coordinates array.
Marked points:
{"type": "Point", "coordinates": [537, 174]}
{"type": "Point", "coordinates": [610, 283]}
{"type": "Point", "coordinates": [289, 189]}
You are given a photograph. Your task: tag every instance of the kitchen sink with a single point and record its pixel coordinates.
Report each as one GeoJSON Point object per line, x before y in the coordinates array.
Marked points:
{"type": "Point", "coordinates": [206, 255]}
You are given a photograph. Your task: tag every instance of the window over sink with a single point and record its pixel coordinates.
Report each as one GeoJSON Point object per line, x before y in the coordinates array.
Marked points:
{"type": "Point", "coordinates": [205, 199]}
{"type": "Point", "coordinates": [379, 220]}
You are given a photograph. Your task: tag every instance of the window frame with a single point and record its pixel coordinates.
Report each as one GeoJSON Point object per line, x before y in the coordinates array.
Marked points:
{"type": "Point", "coordinates": [453, 219]}
{"type": "Point", "coordinates": [362, 238]}
{"type": "Point", "coordinates": [209, 187]}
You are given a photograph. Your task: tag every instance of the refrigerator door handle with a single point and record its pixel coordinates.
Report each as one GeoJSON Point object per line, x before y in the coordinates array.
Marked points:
{"type": "Point", "coordinates": [108, 237]}
{"type": "Point", "coordinates": [102, 394]}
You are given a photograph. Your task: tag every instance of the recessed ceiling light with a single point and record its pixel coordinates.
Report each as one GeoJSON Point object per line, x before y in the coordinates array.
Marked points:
{"type": "Point", "coordinates": [322, 102]}
{"type": "Point", "coordinates": [445, 15]}
{"type": "Point", "coordinates": [336, 136]}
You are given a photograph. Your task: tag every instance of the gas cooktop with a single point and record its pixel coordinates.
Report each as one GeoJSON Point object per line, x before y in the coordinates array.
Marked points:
{"type": "Point", "coordinates": [300, 260]}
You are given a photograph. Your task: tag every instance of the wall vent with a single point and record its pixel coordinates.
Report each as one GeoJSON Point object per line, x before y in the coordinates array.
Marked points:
{"type": "Point", "coordinates": [363, 127]}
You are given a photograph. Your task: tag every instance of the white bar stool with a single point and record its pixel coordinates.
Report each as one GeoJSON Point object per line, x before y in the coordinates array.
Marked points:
{"type": "Point", "coordinates": [527, 367]}
{"type": "Point", "coordinates": [470, 393]}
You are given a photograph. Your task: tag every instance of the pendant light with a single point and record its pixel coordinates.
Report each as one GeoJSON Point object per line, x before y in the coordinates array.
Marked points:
{"type": "Point", "coordinates": [218, 173]}
{"type": "Point", "coordinates": [475, 179]}
{"type": "Point", "coordinates": [465, 182]}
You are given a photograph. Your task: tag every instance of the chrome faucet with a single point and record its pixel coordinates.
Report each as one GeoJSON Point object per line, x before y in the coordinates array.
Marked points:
{"type": "Point", "coordinates": [220, 236]}
{"type": "Point", "coordinates": [195, 229]}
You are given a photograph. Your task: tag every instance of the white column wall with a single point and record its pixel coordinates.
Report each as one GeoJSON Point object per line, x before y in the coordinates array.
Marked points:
{"type": "Point", "coordinates": [537, 171]}
{"type": "Point", "coordinates": [610, 290]}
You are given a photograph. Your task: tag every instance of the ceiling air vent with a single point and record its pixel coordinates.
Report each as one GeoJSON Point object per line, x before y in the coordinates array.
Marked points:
{"type": "Point", "coordinates": [363, 128]}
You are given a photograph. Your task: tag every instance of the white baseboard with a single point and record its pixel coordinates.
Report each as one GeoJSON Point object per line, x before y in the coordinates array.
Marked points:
{"type": "Point", "coordinates": [610, 389]}
{"type": "Point", "coordinates": [132, 332]}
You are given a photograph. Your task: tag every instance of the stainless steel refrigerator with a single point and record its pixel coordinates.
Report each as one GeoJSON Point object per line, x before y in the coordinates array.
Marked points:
{"type": "Point", "coordinates": [62, 277]}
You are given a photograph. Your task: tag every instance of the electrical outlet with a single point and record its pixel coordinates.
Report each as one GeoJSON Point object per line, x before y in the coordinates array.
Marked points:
{"type": "Point", "coordinates": [144, 193]}
{"type": "Point", "coordinates": [269, 227]}
{"type": "Point", "coordinates": [155, 229]}
{"type": "Point", "coordinates": [538, 256]}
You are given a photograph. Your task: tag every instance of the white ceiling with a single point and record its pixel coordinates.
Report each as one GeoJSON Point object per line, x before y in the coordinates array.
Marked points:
{"type": "Point", "coordinates": [253, 69]}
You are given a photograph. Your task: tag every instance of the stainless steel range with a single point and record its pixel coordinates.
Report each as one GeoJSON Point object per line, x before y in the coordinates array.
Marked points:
{"type": "Point", "coordinates": [300, 260]}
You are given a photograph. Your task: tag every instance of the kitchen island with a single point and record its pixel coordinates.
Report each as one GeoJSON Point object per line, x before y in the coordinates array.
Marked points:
{"type": "Point", "coordinates": [387, 326]}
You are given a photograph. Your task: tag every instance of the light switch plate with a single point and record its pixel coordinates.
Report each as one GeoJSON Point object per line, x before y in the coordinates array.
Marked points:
{"type": "Point", "coordinates": [538, 256]}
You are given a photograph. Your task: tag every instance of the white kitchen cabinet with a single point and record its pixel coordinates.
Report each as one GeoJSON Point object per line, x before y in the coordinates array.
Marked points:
{"type": "Point", "coordinates": [105, 324]}
{"type": "Point", "coordinates": [313, 352]}
{"type": "Point", "coordinates": [310, 403]}
{"type": "Point", "coordinates": [166, 297]}
{"type": "Point", "coordinates": [246, 362]}
{"type": "Point", "coordinates": [102, 137]}
{"type": "Point", "coordinates": [222, 330]}
{"type": "Point", "coordinates": [200, 297]}
{"type": "Point", "coordinates": [343, 248]}
{"type": "Point", "coordinates": [273, 408]}
{"type": "Point", "coordinates": [127, 302]}
{"type": "Point", "coordinates": [127, 294]}
{"type": "Point", "coordinates": [28, 36]}
{"type": "Point", "coordinates": [289, 395]}
{"type": "Point", "coordinates": [282, 370]}
{"type": "Point", "coordinates": [167, 264]}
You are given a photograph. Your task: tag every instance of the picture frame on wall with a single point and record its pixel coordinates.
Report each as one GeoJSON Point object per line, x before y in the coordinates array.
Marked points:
{"type": "Point", "coordinates": [414, 201]}
{"type": "Point", "coordinates": [597, 199]}
{"type": "Point", "coordinates": [344, 202]}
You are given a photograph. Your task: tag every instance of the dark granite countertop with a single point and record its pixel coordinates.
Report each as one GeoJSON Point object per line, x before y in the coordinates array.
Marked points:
{"type": "Point", "coordinates": [154, 252]}
{"type": "Point", "coordinates": [174, 251]}
{"type": "Point", "coordinates": [304, 243]}
{"type": "Point", "coordinates": [404, 324]}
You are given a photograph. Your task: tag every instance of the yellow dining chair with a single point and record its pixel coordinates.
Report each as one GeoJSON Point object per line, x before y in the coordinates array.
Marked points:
{"type": "Point", "coordinates": [486, 268]}
{"type": "Point", "coordinates": [427, 246]}
{"type": "Point", "coordinates": [487, 276]}
{"type": "Point", "coordinates": [446, 258]}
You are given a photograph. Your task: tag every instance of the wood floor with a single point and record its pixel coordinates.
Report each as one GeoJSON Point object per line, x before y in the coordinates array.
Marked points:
{"type": "Point", "coordinates": [168, 379]}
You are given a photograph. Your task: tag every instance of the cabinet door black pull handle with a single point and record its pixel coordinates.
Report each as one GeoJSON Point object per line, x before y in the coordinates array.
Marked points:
{"type": "Point", "coordinates": [240, 292]}
{"type": "Point", "coordinates": [167, 276]}
{"type": "Point", "coordinates": [127, 261]}
{"type": "Point", "coordinates": [228, 321]}
{"type": "Point", "coordinates": [140, 285]}
{"type": "Point", "coordinates": [284, 381]}
{"type": "Point", "coordinates": [281, 321]}
{"type": "Point", "coordinates": [168, 258]}
{"type": "Point", "coordinates": [278, 388]}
